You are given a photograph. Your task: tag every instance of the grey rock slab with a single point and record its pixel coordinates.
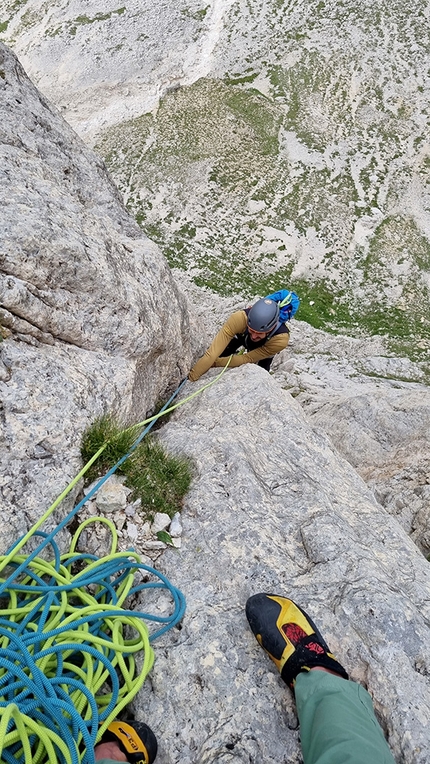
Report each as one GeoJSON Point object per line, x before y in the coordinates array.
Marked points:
{"type": "Point", "coordinates": [52, 395]}
{"type": "Point", "coordinates": [384, 433]}
{"type": "Point", "coordinates": [379, 423]}
{"type": "Point", "coordinates": [273, 507]}
{"type": "Point", "coordinates": [348, 388]}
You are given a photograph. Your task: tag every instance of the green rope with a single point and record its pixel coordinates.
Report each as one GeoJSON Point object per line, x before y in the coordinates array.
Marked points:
{"type": "Point", "coordinates": [67, 651]}
{"type": "Point", "coordinates": [67, 643]}
{"type": "Point", "coordinates": [94, 458]}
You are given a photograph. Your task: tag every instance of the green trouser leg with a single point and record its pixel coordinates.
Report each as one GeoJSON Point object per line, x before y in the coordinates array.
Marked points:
{"type": "Point", "coordinates": [337, 722]}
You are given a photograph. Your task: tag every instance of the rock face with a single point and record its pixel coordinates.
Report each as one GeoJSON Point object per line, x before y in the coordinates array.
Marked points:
{"type": "Point", "coordinates": [385, 437]}
{"type": "Point", "coordinates": [274, 508]}
{"type": "Point", "coordinates": [375, 407]}
{"type": "Point", "coordinates": [91, 317]}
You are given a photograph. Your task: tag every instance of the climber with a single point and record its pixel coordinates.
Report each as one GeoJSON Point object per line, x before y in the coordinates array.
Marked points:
{"type": "Point", "coordinates": [257, 329]}
{"type": "Point", "coordinates": [337, 721]}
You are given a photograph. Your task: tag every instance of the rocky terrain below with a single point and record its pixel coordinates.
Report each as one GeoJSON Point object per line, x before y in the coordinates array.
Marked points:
{"type": "Point", "coordinates": [261, 144]}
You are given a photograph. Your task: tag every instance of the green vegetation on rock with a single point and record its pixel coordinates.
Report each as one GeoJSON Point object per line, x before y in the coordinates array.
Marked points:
{"type": "Point", "coordinates": [159, 480]}
{"type": "Point", "coordinates": [10, 9]}
{"type": "Point", "coordinates": [197, 15]}
{"type": "Point", "coordinates": [71, 27]}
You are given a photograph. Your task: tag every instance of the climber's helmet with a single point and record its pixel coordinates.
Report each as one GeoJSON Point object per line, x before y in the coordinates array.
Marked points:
{"type": "Point", "coordinates": [263, 316]}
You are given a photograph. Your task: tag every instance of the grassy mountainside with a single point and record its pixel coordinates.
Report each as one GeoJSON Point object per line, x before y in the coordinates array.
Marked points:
{"type": "Point", "coordinates": [287, 143]}
{"type": "Point", "coordinates": [231, 192]}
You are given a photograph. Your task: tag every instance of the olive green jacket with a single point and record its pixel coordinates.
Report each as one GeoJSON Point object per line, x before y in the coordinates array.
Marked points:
{"type": "Point", "coordinates": [236, 324]}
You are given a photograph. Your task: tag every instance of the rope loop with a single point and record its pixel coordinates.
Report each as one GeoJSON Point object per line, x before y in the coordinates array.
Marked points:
{"type": "Point", "coordinates": [68, 648]}
{"type": "Point", "coordinates": [68, 643]}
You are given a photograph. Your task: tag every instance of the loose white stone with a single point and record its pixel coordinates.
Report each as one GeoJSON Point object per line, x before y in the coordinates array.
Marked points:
{"type": "Point", "coordinates": [176, 525]}
{"type": "Point", "coordinates": [153, 545]}
{"type": "Point", "coordinates": [145, 530]}
{"type": "Point", "coordinates": [111, 496]}
{"type": "Point", "coordinates": [160, 523]}
{"type": "Point", "coordinates": [132, 531]}
{"type": "Point", "coordinates": [119, 520]}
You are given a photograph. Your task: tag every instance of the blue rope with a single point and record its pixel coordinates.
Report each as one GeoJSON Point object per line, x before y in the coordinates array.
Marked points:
{"type": "Point", "coordinates": [66, 654]}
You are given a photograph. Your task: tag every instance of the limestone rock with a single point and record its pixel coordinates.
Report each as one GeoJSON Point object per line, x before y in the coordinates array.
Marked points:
{"type": "Point", "coordinates": [348, 387]}
{"type": "Point", "coordinates": [380, 423]}
{"type": "Point", "coordinates": [132, 531]}
{"type": "Point", "coordinates": [160, 523]}
{"type": "Point", "coordinates": [153, 545]}
{"type": "Point", "coordinates": [92, 321]}
{"type": "Point", "coordinates": [386, 437]}
{"type": "Point", "coordinates": [95, 321]}
{"type": "Point", "coordinates": [112, 495]}
{"type": "Point", "coordinates": [281, 511]}
{"type": "Point", "coordinates": [176, 525]}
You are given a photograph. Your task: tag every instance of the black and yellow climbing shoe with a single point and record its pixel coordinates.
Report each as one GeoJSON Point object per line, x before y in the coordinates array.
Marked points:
{"type": "Point", "coordinates": [289, 636]}
{"type": "Point", "coordinates": [135, 739]}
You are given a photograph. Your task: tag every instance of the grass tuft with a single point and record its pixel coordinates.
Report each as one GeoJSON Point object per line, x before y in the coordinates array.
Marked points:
{"type": "Point", "coordinates": [159, 480]}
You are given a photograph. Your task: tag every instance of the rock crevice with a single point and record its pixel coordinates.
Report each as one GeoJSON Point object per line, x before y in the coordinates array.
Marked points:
{"type": "Point", "coordinates": [92, 320]}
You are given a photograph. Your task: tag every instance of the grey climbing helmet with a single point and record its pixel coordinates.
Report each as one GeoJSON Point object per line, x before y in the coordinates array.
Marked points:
{"type": "Point", "coordinates": [263, 316]}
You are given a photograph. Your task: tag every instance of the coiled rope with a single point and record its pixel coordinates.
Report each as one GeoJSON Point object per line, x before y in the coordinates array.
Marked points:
{"type": "Point", "coordinates": [68, 646]}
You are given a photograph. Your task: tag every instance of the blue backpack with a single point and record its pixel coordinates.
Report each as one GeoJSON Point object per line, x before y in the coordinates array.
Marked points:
{"type": "Point", "coordinates": [288, 303]}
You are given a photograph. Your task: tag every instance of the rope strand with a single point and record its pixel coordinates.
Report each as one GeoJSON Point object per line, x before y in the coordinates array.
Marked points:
{"type": "Point", "coordinates": [67, 642]}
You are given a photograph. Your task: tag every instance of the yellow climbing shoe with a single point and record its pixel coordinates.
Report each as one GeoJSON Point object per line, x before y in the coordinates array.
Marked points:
{"type": "Point", "coordinates": [135, 739]}
{"type": "Point", "coordinates": [289, 637]}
